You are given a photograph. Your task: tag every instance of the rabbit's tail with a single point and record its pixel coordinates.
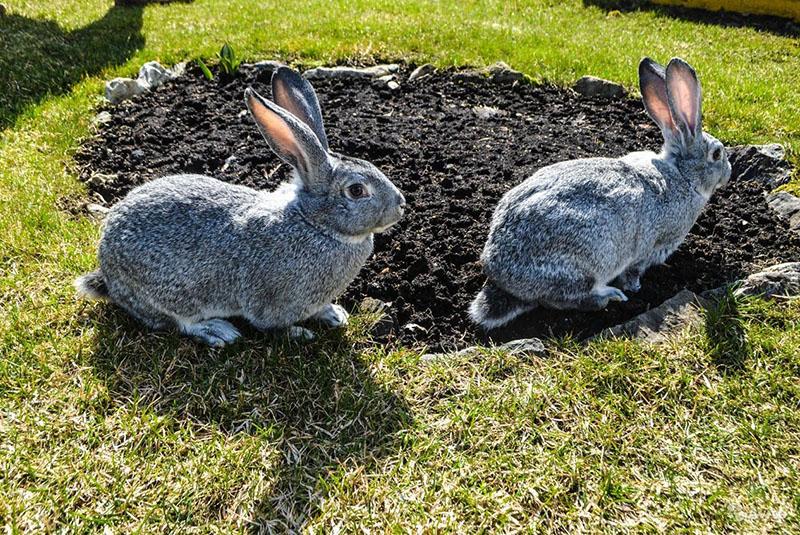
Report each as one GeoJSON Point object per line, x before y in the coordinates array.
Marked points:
{"type": "Point", "coordinates": [92, 286]}
{"type": "Point", "coordinates": [494, 307]}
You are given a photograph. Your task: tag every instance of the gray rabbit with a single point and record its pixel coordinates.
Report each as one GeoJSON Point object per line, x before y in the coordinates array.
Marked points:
{"type": "Point", "coordinates": [576, 234]}
{"type": "Point", "coordinates": [187, 251]}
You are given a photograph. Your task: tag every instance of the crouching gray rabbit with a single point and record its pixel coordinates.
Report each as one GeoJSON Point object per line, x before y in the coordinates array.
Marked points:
{"type": "Point", "coordinates": [186, 251]}
{"type": "Point", "coordinates": [578, 234]}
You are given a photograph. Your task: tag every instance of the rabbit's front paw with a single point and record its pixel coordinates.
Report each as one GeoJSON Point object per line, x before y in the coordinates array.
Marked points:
{"type": "Point", "coordinates": [215, 332]}
{"type": "Point", "coordinates": [332, 316]}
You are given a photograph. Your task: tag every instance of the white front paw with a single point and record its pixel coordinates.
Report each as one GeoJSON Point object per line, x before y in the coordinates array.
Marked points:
{"type": "Point", "coordinates": [332, 316]}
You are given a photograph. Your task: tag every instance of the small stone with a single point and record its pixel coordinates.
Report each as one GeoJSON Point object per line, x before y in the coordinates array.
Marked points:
{"type": "Point", "coordinates": [269, 65]}
{"type": "Point", "coordinates": [764, 163]}
{"type": "Point", "coordinates": [593, 87]}
{"type": "Point", "coordinates": [228, 161]}
{"type": "Point", "coordinates": [386, 78]}
{"type": "Point", "coordinates": [101, 118]}
{"type": "Point", "coordinates": [393, 85]}
{"type": "Point", "coordinates": [120, 89]}
{"type": "Point", "coordinates": [98, 211]}
{"type": "Point", "coordinates": [658, 324]}
{"type": "Point", "coordinates": [501, 72]}
{"type": "Point", "coordinates": [100, 180]}
{"type": "Point", "coordinates": [178, 69]}
{"type": "Point", "coordinates": [153, 74]}
{"type": "Point", "coordinates": [432, 357]}
{"type": "Point", "coordinates": [488, 112]}
{"type": "Point", "coordinates": [414, 328]}
{"type": "Point", "coordinates": [383, 329]}
{"type": "Point", "coordinates": [351, 72]}
{"type": "Point", "coordinates": [370, 305]}
{"type": "Point", "coordinates": [525, 346]}
{"type": "Point", "coordinates": [778, 280]}
{"type": "Point", "coordinates": [137, 153]}
{"type": "Point", "coordinates": [787, 206]}
{"type": "Point", "coordinates": [421, 71]}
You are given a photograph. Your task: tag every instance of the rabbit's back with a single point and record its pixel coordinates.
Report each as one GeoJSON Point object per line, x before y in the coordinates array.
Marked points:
{"type": "Point", "coordinates": [175, 241]}
{"type": "Point", "coordinates": [587, 210]}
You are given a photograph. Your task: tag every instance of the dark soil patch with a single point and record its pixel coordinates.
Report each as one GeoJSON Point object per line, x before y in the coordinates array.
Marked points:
{"type": "Point", "coordinates": [453, 167]}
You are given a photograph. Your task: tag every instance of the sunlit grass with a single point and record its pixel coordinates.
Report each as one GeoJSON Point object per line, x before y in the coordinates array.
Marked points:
{"type": "Point", "coordinates": [105, 425]}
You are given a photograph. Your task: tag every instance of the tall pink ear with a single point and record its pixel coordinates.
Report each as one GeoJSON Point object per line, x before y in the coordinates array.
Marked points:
{"type": "Point", "coordinates": [296, 95]}
{"type": "Point", "coordinates": [685, 98]}
{"type": "Point", "coordinates": [291, 139]}
{"type": "Point", "coordinates": [652, 85]}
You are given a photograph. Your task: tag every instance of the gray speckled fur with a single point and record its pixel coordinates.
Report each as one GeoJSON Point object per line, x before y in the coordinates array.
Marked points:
{"type": "Point", "coordinates": [577, 233]}
{"type": "Point", "coordinates": [185, 250]}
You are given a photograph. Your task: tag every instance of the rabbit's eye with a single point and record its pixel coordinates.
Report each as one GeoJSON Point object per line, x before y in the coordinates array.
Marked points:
{"type": "Point", "coordinates": [717, 154]}
{"type": "Point", "coordinates": [357, 191]}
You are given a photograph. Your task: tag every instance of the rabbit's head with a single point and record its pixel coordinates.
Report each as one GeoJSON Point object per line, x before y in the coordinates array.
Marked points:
{"type": "Point", "coordinates": [349, 196]}
{"type": "Point", "coordinates": [673, 99]}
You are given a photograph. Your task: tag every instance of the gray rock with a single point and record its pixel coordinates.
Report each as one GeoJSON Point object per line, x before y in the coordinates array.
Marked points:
{"type": "Point", "coordinates": [488, 112]}
{"type": "Point", "coordinates": [777, 280]}
{"type": "Point", "coordinates": [525, 346]}
{"type": "Point", "coordinates": [269, 65]}
{"type": "Point", "coordinates": [370, 305]}
{"type": "Point", "coordinates": [178, 69]}
{"type": "Point", "coordinates": [97, 211]}
{"type": "Point", "coordinates": [120, 89]}
{"type": "Point", "coordinates": [393, 85]}
{"type": "Point", "coordinates": [501, 72]}
{"type": "Point", "coordinates": [658, 324]}
{"type": "Point", "coordinates": [432, 357]}
{"type": "Point", "coordinates": [786, 206]}
{"type": "Point", "coordinates": [153, 74]}
{"type": "Point", "coordinates": [383, 329]}
{"type": "Point", "coordinates": [414, 327]}
{"type": "Point", "coordinates": [421, 72]}
{"type": "Point", "coordinates": [101, 118]}
{"type": "Point", "coordinates": [593, 87]}
{"type": "Point", "coordinates": [351, 72]}
{"type": "Point", "coordinates": [764, 163]}
{"type": "Point", "coordinates": [101, 180]}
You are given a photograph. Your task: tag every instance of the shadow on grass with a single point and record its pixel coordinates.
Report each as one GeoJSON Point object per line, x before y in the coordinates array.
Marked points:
{"type": "Point", "coordinates": [727, 19]}
{"type": "Point", "coordinates": [39, 58]}
{"type": "Point", "coordinates": [726, 333]}
{"type": "Point", "coordinates": [319, 403]}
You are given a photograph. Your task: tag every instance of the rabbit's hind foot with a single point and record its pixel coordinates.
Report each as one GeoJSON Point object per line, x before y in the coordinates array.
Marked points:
{"type": "Point", "coordinates": [601, 296]}
{"type": "Point", "coordinates": [333, 316]}
{"type": "Point", "coordinates": [296, 332]}
{"type": "Point", "coordinates": [214, 332]}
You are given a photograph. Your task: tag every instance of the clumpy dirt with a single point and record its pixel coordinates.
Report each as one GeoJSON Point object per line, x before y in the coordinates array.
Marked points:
{"type": "Point", "coordinates": [453, 166]}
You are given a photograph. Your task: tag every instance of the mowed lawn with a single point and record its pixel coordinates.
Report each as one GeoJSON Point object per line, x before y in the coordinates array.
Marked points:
{"type": "Point", "coordinates": [107, 428]}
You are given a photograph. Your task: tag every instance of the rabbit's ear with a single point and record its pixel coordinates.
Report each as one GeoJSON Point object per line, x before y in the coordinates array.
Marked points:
{"type": "Point", "coordinates": [653, 86]}
{"type": "Point", "coordinates": [685, 98]}
{"type": "Point", "coordinates": [295, 94]}
{"type": "Point", "coordinates": [290, 139]}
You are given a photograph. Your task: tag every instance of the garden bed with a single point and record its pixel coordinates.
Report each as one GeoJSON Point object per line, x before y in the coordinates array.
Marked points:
{"type": "Point", "coordinates": [454, 143]}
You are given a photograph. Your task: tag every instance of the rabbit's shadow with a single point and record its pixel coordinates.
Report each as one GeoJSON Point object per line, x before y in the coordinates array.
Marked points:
{"type": "Point", "coordinates": [318, 405]}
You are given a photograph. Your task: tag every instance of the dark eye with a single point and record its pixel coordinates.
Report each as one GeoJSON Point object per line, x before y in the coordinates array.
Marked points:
{"type": "Point", "coordinates": [356, 191]}
{"type": "Point", "coordinates": [717, 154]}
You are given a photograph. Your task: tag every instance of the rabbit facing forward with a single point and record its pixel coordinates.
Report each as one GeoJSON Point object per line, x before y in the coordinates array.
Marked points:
{"type": "Point", "coordinates": [187, 251]}
{"type": "Point", "coordinates": [578, 234]}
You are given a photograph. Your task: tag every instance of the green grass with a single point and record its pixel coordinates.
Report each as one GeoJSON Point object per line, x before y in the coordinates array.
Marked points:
{"type": "Point", "coordinates": [103, 425]}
